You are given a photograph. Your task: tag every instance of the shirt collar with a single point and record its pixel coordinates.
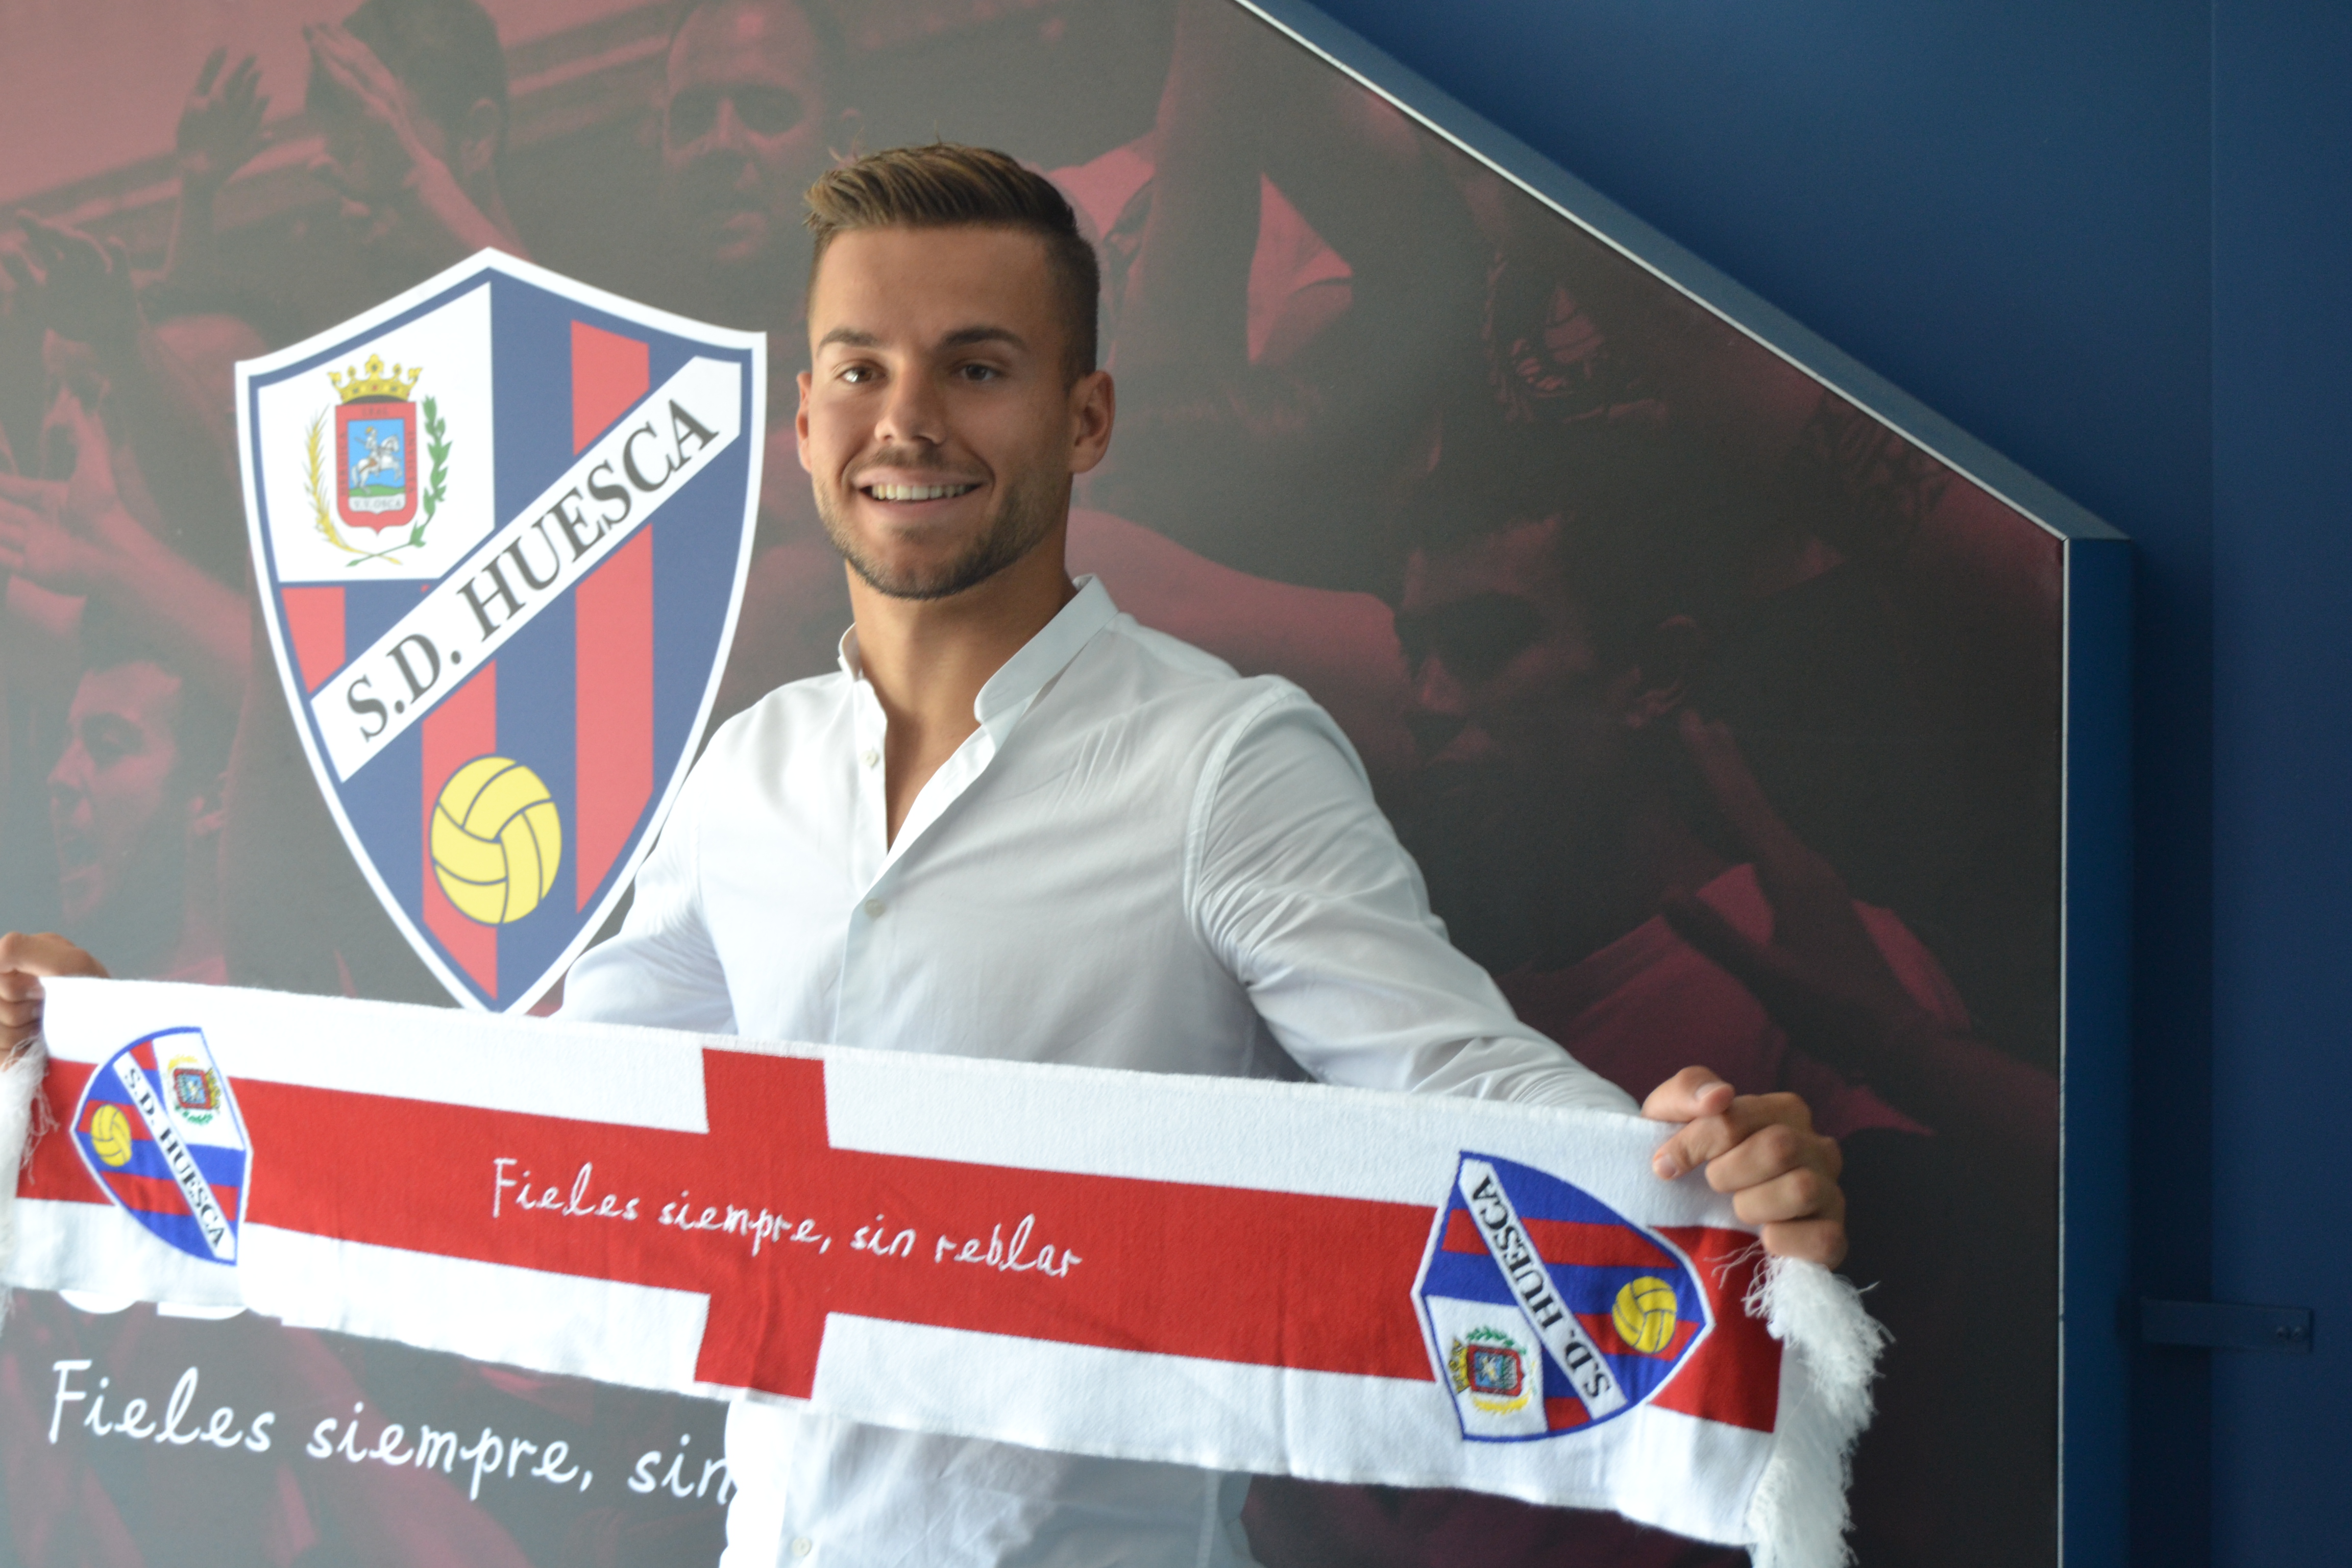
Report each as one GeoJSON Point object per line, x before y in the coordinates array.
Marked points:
{"type": "Point", "coordinates": [1009, 691]}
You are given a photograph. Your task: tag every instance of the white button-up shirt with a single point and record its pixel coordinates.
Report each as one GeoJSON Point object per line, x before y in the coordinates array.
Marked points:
{"type": "Point", "coordinates": [1138, 860]}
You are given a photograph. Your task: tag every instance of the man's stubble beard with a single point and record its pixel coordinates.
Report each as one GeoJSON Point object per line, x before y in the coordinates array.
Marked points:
{"type": "Point", "coordinates": [1026, 511]}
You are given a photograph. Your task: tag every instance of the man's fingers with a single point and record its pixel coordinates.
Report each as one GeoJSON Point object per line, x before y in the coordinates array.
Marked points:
{"type": "Point", "coordinates": [1821, 1241]}
{"type": "Point", "coordinates": [326, 48]}
{"type": "Point", "coordinates": [238, 91]}
{"type": "Point", "coordinates": [1771, 1152]}
{"type": "Point", "coordinates": [1709, 1138]}
{"type": "Point", "coordinates": [1801, 1193]}
{"type": "Point", "coordinates": [1762, 1149]}
{"type": "Point", "coordinates": [353, 65]}
{"type": "Point", "coordinates": [211, 72]}
{"type": "Point", "coordinates": [30, 956]}
{"type": "Point", "coordinates": [37, 493]}
{"type": "Point", "coordinates": [1691, 1093]}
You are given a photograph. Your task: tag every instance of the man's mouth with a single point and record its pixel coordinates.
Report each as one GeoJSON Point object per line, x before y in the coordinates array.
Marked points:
{"type": "Point", "coordinates": [917, 492]}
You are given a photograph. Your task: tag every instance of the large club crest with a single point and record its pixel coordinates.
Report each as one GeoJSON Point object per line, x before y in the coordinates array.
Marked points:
{"type": "Point", "coordinates": [501, 524]}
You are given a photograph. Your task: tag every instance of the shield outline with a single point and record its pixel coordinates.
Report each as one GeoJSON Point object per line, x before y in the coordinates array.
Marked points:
{"type": "Point", "coordinates": [451, 282]}
{"type": "Point", "coordinates": [1433, 1341]}
{"type": "Point", "coordinates": [376, 409]}
{"type": "Point", "coordinates": [228, 1102]}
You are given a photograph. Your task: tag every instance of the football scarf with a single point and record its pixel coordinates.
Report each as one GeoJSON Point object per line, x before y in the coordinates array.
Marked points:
{"type": "Point", "coordinates": [1330, 1283]}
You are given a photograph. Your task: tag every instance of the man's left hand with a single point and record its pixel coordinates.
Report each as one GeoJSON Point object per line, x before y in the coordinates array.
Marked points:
{"type": "Point", "coordinates": [1762, 1149]}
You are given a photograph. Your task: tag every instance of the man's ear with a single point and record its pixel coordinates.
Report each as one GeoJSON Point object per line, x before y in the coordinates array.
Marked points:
{"type": "Point", "coordinates": [1669, 658]}
{"type": "Point", "coordinates": [209, 809]}
{"type": "Point", "coordinates": [1093, 408]}
{"type": "Point", "coordinates": [801, 424]}
{"type": "Point", "coordinates": [478, 145]}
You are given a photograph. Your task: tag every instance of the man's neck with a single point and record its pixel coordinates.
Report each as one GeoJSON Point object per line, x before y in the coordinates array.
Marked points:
{"type": "Point", "coordinates": [928, 658]}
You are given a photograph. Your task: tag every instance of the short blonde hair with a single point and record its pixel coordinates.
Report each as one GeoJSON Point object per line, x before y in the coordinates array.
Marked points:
{"type": "Point", "coordinates": [947, 185]}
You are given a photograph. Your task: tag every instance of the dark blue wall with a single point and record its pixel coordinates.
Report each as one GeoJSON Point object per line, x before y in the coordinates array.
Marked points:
{"type": "Point", "coordinates": [2114, 241]}
{"type": "Point", "coordinates": [2282, 742]}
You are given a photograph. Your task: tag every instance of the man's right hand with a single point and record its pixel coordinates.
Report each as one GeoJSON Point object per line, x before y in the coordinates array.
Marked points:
{"type": "Point", "coordinates": [25, 960]}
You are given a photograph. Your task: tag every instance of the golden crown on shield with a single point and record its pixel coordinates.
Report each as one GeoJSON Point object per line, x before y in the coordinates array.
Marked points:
{"type": "Point", "coordinates": [353, 386]}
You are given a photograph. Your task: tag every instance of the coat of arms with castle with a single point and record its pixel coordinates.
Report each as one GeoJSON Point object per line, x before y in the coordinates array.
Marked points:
{"type": "Point", "coordinates": [380, 495]}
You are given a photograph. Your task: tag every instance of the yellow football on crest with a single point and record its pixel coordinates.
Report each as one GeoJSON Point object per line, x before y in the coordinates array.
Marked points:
{"type": "Point", "coordinates": [110, 1134]}
{"type": "Point", "coordinates": [497, 840]}
{"type": "Point", "coordinates": [1645, 1314]}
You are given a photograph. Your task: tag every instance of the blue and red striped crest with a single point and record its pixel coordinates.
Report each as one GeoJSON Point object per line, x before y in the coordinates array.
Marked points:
{"type": "Point", "coordinates": [1547, 1312]}
{"type": "Point", "coordinates": [159, 1130]}
{"type": "Point", "coordinates": [501, 524]}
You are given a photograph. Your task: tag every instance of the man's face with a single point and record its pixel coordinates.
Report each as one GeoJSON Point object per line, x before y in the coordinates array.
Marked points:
{"type": "Point", "coordinates": [1523, 739]}
{"type": "Point", "coordinates": [112, 802]}
{"type": "Point", "coordinates": [742, 127]}
{"type": "Point", "coordinates": [1505, 680]}
{"type": "Point", "coordinates": [361, 159]}
{"type": "Point", "coordinates": [936, 425]}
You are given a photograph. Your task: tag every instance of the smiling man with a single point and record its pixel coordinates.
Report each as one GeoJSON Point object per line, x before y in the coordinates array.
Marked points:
{"type": "Point", "coordinates": [1016, 823]}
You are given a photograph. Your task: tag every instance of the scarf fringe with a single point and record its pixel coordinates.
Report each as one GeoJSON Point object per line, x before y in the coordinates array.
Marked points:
{"type": "Point", "coordinates": [1797, 1516]}
{"type": "Point", "coordinates": [24, 1117]}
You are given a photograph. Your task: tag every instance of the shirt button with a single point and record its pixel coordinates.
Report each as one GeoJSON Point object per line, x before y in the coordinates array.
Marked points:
{"type": "Point", "coordinates": [873, 907]}
{"type": "Point", "coordinates": [803, 1546]}
{"type": "Point", "coordinates": [869, 756]}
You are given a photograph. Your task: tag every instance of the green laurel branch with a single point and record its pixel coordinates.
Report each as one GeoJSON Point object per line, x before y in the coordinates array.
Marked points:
{"type": "Point", "coordinates": [437, 446]}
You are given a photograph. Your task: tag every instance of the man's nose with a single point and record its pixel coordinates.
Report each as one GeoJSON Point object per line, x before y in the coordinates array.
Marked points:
{"type": "Point", "coordinates": [912, 412]}
{"type": "Point", "coordinates": [728, 132]}
{"type": "Point", "coordinates": [1438, 711]}
{"type": "Point", "coordinates": [68, 778]}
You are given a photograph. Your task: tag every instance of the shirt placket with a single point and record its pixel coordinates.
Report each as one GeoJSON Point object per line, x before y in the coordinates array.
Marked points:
{"type": "Point", "coordinates": [868, 858]}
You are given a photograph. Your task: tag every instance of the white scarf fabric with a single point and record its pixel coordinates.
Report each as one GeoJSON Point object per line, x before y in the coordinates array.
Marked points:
{"type": "Point", "coordinates": [1330, 1283]}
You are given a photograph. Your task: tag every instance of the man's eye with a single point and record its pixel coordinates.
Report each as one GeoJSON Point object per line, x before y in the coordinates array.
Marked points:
{"type": "Point", "coordinates": [1474, 639]}
{"type": "Point", "coordinates": [979, 372]}
{"type": "Point", "coordinates": [692, 113]}
{"type": "Point", "coordinates": [767, 111]}
{"type": "Point", "coordinates": [106, 746]}
{"type": "Point", "coordinates": [855, 373]}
